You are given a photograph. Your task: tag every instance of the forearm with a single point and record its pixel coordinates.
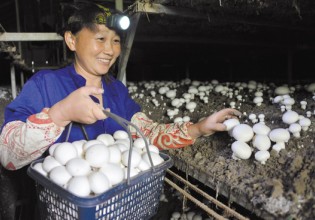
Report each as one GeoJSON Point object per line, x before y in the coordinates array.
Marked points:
{"type": "Point", "coordinates": [164, 136]}
{"type": "Point", "coordinates": [21, 143]}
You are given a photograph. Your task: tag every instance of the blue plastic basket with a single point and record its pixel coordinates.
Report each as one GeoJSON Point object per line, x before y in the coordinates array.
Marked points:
{"type": "Point", "coordinates": [136, 200]}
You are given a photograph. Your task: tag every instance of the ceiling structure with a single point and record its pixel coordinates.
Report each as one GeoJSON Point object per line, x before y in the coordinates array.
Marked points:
{"type": "Point", "coordinates": [182, 35]}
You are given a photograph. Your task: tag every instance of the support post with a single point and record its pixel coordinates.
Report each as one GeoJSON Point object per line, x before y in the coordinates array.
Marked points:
{"type": "Point", "coordinates": [127, 48]}
{"type": "Point", "coordinates": [13, 82]}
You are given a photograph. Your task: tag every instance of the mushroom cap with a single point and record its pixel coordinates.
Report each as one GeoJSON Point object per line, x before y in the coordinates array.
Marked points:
{"type": "Point", "coordinates": [202, 88]}
{"type": "Point", "coordinates": [218, 88]}
{"type": "Point", "coordinates": [305, 122]}
{"type": "Point", "coordinates": [278, 99]}
{"type": "Point", "coordinates": [241, 150]}
{"type": "Point", "coordinates": [279, 135]}
{"type": "Point", "coordinates": [290, 117]}
{"type": "Point", "coordinates": [303, 102]}
{"type": "Point", "coordinates": [282, 90]}
{"type": "Point", "coordinates": [252, 116]}
{"type": "Point", "coordinates": [171, 94]}
{"type": "Point", "coordinates": [311, 87]}
{"type": "Point", "coordinates": [163, 90]}
{"type": "Point", "coordinates": [175, 102]}
{"type": "Point", "coordinates": [187, 96]}
{"type": "Point", "coordinates": [258, 93]}
{"type": "Point", "coordinates": [243, 132]}
{"type": "Point", "coordinates": [262, 156]}
{"type": "Point", "coordinates": [191, 105]}
{"type": "Point", "coordinates": [261, 142]}
{"type": "Point", "coordinates": [295, 127]}
{"type": "Point", "coordinates": [193, 90]}
{"type": "Point", "coordinates": [288, 101]}
{"type": "Point", "coordinates": [231, 123]}
{"type": "Point", "coordinates": [261, 128]}
{"type": "Point", "coordinates": [258, 99]}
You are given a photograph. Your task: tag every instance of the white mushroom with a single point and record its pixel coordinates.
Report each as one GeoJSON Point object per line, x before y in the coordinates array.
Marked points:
{"type": "Point", "coordinates": [278, 99]}
{"type": "Point", "coordinates": [261, 128]}
{"type": "Point", "coordinates": [186, 118]}
{"type": "Point", "coordinates": [163, 90]}
{"type": "Point", "coordinates": [295, 129]}
{"type": "Point", "coordinates": [261, 142]}
{"type": "Point", "coordinates": [120, 134]}
{"type": "Point", "coordinates": [241, 150]}
{"type": "Point", "coordinates": [261, 118]}
{"type": "Point", "coordinates": [176, 103]}
{"type": "Point", "coordinates": [252, 117]}
{"type": "Point", "coordinates": [178, 120]}
{"type": "Point", "coordinates": [258, 100]}
{"type": "Point", "coordinates": [311, 87]}
{"type": "Point", "coordinates": [282, 90]}
{"type": "Point", "coordinates": [191, 106]}
{"type": "Point", "coordinates": [280, 136]}
{"type": "Point", "coordinates": [230, 124]}
{"type": "Point", "coordinates": [262, 156]}
{"type": "Point", "coordinates": [232, 104]}
{"type": "Point", "coordinates": [305, 123]}
{"type": "Point", "coordinates": [288, 102]}
{"type": "Point", "coordinates": [290, 117]}
{"type": "Point", "coordinates": [171, 94]}
{"type": "Point", "coordinates": [303, 104]}
{"type": "Point", "coordinates": [171, 113]}
{"type": "Point", "coordinates": [243, 132]}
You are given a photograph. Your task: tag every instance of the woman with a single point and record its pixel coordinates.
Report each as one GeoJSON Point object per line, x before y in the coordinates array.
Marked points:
{"type": "Point", "coordinates": [50, 100]}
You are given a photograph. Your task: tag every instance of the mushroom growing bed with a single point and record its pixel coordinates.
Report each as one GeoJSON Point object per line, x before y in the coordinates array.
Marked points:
{"type": "Point", "coordinates": [283, 187]}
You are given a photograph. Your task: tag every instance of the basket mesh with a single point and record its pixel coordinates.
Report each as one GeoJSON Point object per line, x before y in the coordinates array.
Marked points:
{"type": "Point", "coordinates": [135, 202]}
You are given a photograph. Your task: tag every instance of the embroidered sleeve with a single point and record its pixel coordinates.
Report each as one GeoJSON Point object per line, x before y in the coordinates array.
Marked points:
{"type": "Point", "coordinates": [164, 136]}
{"type": "Point", "coordinates": [23, 142]}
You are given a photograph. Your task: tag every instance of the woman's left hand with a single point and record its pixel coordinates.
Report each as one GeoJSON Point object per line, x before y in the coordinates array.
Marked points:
{"type": "Point", "coordinates": [212, 123]}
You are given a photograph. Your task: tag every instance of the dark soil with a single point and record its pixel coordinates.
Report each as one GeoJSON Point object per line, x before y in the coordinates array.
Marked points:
{"type": "Point", "coordinates": [283, 188]}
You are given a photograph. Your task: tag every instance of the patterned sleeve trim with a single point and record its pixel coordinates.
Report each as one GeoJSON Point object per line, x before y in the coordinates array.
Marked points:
{"type": "Point", "coordinates": [164, 136]}
{"type": "Point", "coordinates": [23, 142]}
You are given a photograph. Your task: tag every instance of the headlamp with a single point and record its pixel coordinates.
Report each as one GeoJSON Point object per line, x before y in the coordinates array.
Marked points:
{"type": "Point", "coordinates": [111, 20]}
{"type": "Point", "coordinates": [121, 22]}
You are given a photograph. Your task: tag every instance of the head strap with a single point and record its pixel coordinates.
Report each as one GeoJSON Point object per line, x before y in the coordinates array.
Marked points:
{"type": "Point", "coordinates": [102, 18]}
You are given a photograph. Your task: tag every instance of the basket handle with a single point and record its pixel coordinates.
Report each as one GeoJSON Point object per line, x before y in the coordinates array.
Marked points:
{"type": "Point", "coordinates": [125, 124]}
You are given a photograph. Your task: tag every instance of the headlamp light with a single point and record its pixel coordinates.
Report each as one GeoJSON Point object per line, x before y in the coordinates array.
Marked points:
{"type": "Point", "coordinates": [121, 22]}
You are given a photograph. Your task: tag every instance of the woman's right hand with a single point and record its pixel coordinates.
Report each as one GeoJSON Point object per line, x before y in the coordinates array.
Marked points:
{"type": "Point", "coordinates": [78, 107]}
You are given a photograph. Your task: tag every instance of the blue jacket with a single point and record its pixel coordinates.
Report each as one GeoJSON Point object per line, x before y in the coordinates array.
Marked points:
{"type": "Point", "coordinates": [48, 87]}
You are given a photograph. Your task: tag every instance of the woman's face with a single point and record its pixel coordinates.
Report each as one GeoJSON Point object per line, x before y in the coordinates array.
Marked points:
{"type": "Point", "coordinates": [95, 51]}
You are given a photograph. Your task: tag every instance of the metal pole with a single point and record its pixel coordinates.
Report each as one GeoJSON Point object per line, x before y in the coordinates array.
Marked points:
{"type": "Point", "coordinates": [22, 78]}
{"type": "Point", "coordinates": [123, 60]}
{"type": "Point", "coordinates": [13, 81]}
{"type": "Point", "coordinates": [122, 77]}
{"type": "Point", "coordinates": [119, 5]}
{"type": "Point", "coordinates": [18, 28]}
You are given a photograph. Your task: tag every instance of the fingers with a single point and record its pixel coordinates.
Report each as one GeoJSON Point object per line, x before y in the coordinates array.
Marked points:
{"type": "Point", "coordinates": [219, 127]}
{"type": "Point", "coordinates": [232, 112]}
{"type": "Point", "coordinates": [98, 113]}
{"type": "Point", "coordinates": [92, 90]}
{"type": "Point", "coordinates": [228, 113]}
